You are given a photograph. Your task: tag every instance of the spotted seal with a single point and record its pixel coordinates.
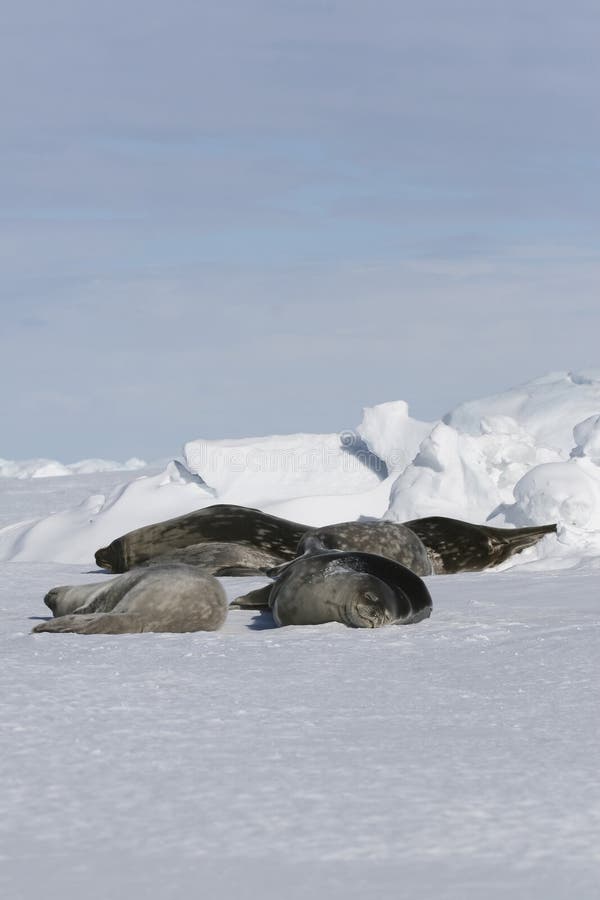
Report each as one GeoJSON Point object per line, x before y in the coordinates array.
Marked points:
{"type": "Point", "coordinates": [361, 590]}
{"type": "Point", "coordinates": [222, 523]}
{"type": "Point", "coordinates": [388, 539]}
{"type": "Point", "coordinates": [221, 558]}
{"type": "Point", "coordinates": [456, 546]}
{"type": "Point", "coordinates": [435, 544]}
{"type": "Point", "coordinates": [235, 540]}
{"type": "Point", "coordinates": [171, 597]}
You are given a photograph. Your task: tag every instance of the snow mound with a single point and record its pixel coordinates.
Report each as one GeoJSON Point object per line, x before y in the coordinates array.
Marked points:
{"type": "Point", "coordinates": [465, 476]}
{"type": "Point", "coordinates": [51, 468]}
{"type": "Point", "coordinates": [254, 471]}
{"type": "Point", "coordinates": [548, 408]}
{"type": "Point", "coordinates": [74, 535]}
{"type": "Point", "coordinates": [528, 456]}
{"type": "Point", "coordinates": [391, 435]}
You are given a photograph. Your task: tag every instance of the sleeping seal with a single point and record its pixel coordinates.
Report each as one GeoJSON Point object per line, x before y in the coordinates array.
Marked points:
{"type": "Point", "coordinates": [455, 546]}
{"type": "Point", "coordinates": [220, 523]}
{"type": "Point", "coordinates": [172, 597]}
{"type": "Point", "coordinates": [361, 590]}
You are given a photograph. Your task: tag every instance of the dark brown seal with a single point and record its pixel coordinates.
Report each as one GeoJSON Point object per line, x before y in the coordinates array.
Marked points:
{"type": "Point", "coordinates": [456, 546]}
{"type": "Point", "coordinates": [223, 523]}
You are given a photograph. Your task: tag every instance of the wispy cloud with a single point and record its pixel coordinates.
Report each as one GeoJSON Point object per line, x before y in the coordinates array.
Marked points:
{"type": "Point", "coordinates": [259, 216]}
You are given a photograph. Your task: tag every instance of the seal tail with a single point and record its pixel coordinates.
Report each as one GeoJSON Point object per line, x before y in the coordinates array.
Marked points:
{"type": "Point", "coordinates": [514, 540]}
{"type": "Point", "coordinates": [455, 546]}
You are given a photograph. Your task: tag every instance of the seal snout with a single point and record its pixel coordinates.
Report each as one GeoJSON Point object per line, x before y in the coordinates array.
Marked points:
{"type": "Point", "coordinates": [102, 557]}
{"type": "Point", "coordinates": [51, 600]}
{"type": "Point", "coordinates": [110, 558]}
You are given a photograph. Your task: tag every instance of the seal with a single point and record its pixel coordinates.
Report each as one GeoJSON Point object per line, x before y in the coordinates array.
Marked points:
{"type": "Point", "coordinates": [361, 590]}
{"type": "Point", "coordinates": [388, 539]}
{"type": "Point", "coordinates": [435, 544]}
{"type": "Point", "coordinates": [220, 558]}
{"type": "Point", "coordinates": [172, 597]}
{"type": "Point", "coordinates": [218, 523]}
{"type": "Point", "coordinates": [456, 546]}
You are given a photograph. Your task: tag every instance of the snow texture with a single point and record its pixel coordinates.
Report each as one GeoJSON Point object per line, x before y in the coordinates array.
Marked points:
{"type": "Point", "coordinates": [528, 456]}
{"type": "Point", "coordinates": [454, 759]}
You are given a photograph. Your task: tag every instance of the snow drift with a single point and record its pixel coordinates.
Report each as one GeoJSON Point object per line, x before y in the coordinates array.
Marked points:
{"type": "Point", "coordinates": [528, 456]}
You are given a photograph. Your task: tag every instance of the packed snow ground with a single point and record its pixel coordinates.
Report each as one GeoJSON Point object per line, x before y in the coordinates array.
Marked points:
{"type": "Point", "coordinates": [451, 759]}
{"type": "Point", "coordinates": [456, 758]}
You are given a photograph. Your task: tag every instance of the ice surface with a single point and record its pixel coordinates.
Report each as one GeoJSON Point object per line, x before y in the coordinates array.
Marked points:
{"type": "Point", "coordinates": [456, 758]}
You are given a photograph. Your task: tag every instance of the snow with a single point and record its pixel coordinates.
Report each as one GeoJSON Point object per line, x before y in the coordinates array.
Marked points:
{"type": "Point", "coordinates": [548, 408]}
{"type": "Point", "coordinates": [51, 468]}
{"type": "Point", "coordinates": [453, 759]}
{"type": "Point", "coordinates": [528, 456]}
{"type": "Point", "coordinates": [456, 758]}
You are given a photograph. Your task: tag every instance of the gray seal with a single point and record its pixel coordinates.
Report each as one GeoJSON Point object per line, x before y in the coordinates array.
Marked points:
{"type": "Point", "coordinates": [173, 597]}
{"type": "Point", "coordinates": [361, 590]}
{"type": "Point", "coordinates": [455, 546]}
{"type": "Point", "coordinates": [220, 558]}
{"type": "Point", "coordinates": [435, 544]}
{"type": "Point", "coordinates": [235, 540]}
{"type": "Point", "coordinates": [222, 523]}
{"type": "Point", "coordinates": [387, 539]}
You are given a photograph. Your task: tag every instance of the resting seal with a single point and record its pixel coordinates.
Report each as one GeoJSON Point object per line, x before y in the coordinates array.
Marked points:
{"type": "Point", "coordinates": [435, 544]}
{"type": "Point", "coordinates": [358, 589]}
{"type": "Point", "coordinates": [172, 597]}
{"type": "Point", "coordinates": [220, 558]}
{"type": "Point", "coordinates": [388, 539]}
{"type": "Point", "coordinates": [220, 523]}
{"type": "Point", "coordinates": [235, 540]}
{"type": "Point", "coordinates": [455, 546]}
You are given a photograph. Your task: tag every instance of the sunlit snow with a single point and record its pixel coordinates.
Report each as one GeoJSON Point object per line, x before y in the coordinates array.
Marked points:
{"type": "Point", "coordinates": [451, 759]}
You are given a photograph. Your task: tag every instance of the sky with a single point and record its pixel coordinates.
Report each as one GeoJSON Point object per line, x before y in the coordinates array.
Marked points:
{"type": "Point", "coordinates": [259, 216]}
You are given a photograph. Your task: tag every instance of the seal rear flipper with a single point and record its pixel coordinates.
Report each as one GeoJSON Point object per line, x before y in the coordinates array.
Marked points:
{"type": "Point", "coordinates": [258, 599]}
{"type": "Point", "coordinates": [456, 546]}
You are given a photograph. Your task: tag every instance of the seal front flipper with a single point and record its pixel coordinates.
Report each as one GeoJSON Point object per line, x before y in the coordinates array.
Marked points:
{"type": "Point", "coordinates": [258, 599]}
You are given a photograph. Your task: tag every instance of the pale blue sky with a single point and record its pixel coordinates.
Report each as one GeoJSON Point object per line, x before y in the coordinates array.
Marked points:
{"type": "Point", "coordinates": [255, 217]}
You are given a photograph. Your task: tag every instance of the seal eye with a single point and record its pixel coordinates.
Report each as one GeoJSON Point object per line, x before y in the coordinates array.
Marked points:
{"type": "Point", "coordinates": [368, 612]}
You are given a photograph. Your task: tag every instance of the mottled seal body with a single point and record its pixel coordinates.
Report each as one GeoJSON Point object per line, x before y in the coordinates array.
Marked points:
{"type": "Point", "coordinates": [437, 544]}
{"type": "Point", "coordinates": [361, 590]}
{"type": "Point", "coordinates": [220, 558]}
{"type": "Point", "coordinates": [219, 523]}
{"type": "Point", "coordinates": [173, 597]}
{"type": "Point", "coordinates": [455, 546]}
{"type": "Point", "coordinates": [387, 539]}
